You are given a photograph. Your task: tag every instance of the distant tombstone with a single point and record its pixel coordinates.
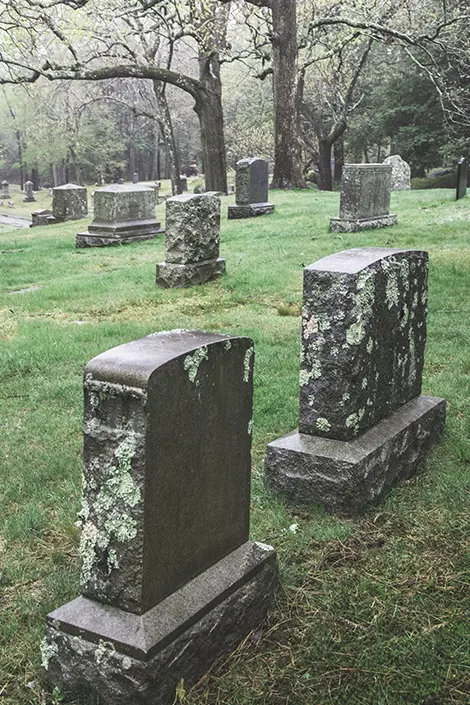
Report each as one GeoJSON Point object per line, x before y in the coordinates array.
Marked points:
{"type": "Point", "coordinates": [28, 189]}
{"type": "Point", "coordinates": [69, 202]}
{"type": "Point", "coordinates": [365, 198]}
{"type": "Point", "coordinates": [135, 177]}
{"type": "Point", "coordinates": [192, 241]}
{"type": "Point", "coordinates": [5, 192]}
{"type": "Point", "coordinates": [122, 214]}
{"type": "Point", "coordinates": [363, 424]}
{"type": "Point", "coordinates": [50, 193]}
{"type": "Point", "coordinates": [170, 580]}
{"type": "Point", "coordinates": [121, 181]}
{"type": "Point", "coordinates": [251, 196]}
{"type": "Point", "coordinates": [43, 216]}
{"type": "Point", "coordinates": [183, 183]}
{"type": "Point", "coordinates": [462, 179]}
{"type": "Point", "coordinates": [401, 173]}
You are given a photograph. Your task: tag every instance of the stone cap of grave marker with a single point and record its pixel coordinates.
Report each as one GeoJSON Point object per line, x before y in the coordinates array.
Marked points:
{"type": "Point", "coordinates": [123, 202]}
{"type": "Point", "coordinates": [166, 463]}
{"type": "Point", "coordinates": [363, 338]}
{"type": "Point", "coordinates": [251, 181]}
{"type": "Point", "coordinates": [365, 190]}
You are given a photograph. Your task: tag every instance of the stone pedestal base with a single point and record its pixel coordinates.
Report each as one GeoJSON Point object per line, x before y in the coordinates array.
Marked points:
{"type": "Point", "coordinates": [344, 476]}
{"type": "Point", "coordinates": [249, 210]}
{"type": "Point", "coordinates": [353, 225]}
{"type": "Point", "coordinates": [43, 217]}
{"type": "Point", "coordinates": [95, 650]}
{"type": "Point", "coordinates": [105, 234]}
{"type": "Point", "coordinates": [29, 200]}
{"type": "Point", "coordinates": [171, 275]}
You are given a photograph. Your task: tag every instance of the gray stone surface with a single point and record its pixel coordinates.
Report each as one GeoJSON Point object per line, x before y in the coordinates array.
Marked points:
{"type": "Point", "coordinates": [169, 577]}
{"type": "Point", "coordinates": [93, 649]}
{"type": "Point", "coordinates": [401, 172]}
{"type": "Point", "coordinates": [462, 179]}
{"type": "Point", "coordinates": [135, 177]}
{"type": "Point", "coordinates": [5, 190]}
{"type": "Point", "coordinates": [183, 275]}
{"type": "Point", "coordinates": [362, 422]}
{"type": "Point", "coordinates": [69, 202]}
{"type": "Point", "coordinates": [251, 194]}
{"type": "Point", "coordinates": [192, 241]}
{"type": "Point", "coordinates": [43, 216]}
{"type": "Point", "coordinates": [365, 198]}
{"type": "Point", "coordinates": [363, 338]}
{"type": "Point", "coordinates": [345, 477]}
{"type": "Point", "coordinates": [28, 189]}
{"type": "Point", "coordinates": [122, 214]}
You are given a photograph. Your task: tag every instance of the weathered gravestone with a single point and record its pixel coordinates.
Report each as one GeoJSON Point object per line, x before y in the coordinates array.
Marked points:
{"type": "Point", "coordinates": [69, 202]}
{"type": "Point", "coordinates": [121, 214]}
{"type": "Point", "coordinates": [28, 189]}
{"type": "Point", "coordinates": [183, 183]}
{"type": "Point", "coordinates": [170, 578]}
{"type": "Point", "coordinates": [135, 177]}
{"type": "Point", "coordinates": [192, 241]}
{"type": "Point", "coordinates": [365, 198]}
{"type": "Point", "coordinates": [251, 195]}
{"type": "Point", "coordinates": [5, 192]}
{"type": "Point", "coordinates": [363, 424]}
{"type": "Point", "coordinates": [462, 179]}
{"type": "Point", "coordinates": [401, 172]}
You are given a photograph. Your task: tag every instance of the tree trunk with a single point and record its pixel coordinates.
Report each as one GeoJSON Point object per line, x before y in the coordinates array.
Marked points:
{"type": "Point", "coordinates": [211, 121]}
{"type": "Point", "coordinates": [287, 144]}
{"type": "Point", "coordinates": [325, 180]}
{"type": "Point", "coordinates": [338, 150]}
{"type": "Point", "coordinates": [166, 130]}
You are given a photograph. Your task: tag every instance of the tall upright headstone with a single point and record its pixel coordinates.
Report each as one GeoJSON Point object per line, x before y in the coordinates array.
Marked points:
{"type": "Point", "coordinates": [5, 190]}
{"type": "Point", "coordinates": [170, 579]}
{"type": "Point", "coordinates": [401, 172]}
{"type": "Point", "coordinates": [183, 183]}
{"type": "Point", "coordinates": [363, 424]}
{"type": "Point", "coordinates": [462, 179]}
{"type": "Point", "coordinates": [122, 213]}
{"type": "Point", "coordinates": [251, 194]}
{"type": "Point", "coordinates": [69, 202]}
{"type": "Point", "coordinates": [192, 241]}
{"type": "Point", "coordinates": [135, 177]}
{"type": "Point", "coordinates": [365, 198]}
{"type": "Point", "coordinates": [29, 195]}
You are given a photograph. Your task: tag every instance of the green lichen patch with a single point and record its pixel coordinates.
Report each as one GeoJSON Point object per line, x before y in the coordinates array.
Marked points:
{"type": "Point", "coordinates": [247, 363]}
{"type": "Point", "coordinates": [191, 362]}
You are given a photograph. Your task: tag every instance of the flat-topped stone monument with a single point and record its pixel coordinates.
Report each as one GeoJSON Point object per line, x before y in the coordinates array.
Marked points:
{"type": "Point", "coordinates": [170, 578]}
{"type": "Point", "coordinates": [363, 424]}
{"type": "Point", "coordinates": [251, 189]}
{"type": "Point", "coordinates": [69, 202]}
{"type": "Point", "coordinates": [365, 198]}
{"type": "Point", "coordinates": [122, 214]}
{"type": "Point", "coordinates": [192, 241]}
{"type": "Point", "coordinates": [401, 172]}
{"type": "Point", "coordinates": [462, 179]}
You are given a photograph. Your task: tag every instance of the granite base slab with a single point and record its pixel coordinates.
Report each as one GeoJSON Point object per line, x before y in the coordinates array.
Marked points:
{"type": "Point", "coordinates": [171, 275]}
{"type": "Point", "coordinates": [93, 650]}
{"type": "Point", "coordinates": [249, 210]}
{"type": "Point", "coordinates": [353, 225]}
{"type": "Point", "coordinates": [345, 476]}
{"type": "Point", "coordinates": [106, 239]}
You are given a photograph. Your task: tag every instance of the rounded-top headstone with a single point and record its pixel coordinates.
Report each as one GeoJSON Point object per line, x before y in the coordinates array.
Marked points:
{"type": "Point", "coordinates": [401, 172]}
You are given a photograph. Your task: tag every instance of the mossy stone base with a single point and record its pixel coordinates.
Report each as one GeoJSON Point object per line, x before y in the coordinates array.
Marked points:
{"type": "Point", "coordinates": [249, 210]}
{"type": "Point", "coordinates": [91, 649]}
{"type": "Point", "coordinates": [354, 225]}
{"type": "Point", "coordinates": [345, 476]}
{"type": "Point", "coordinates": [106, 234]}
{"type": "Point", "coordinates": [171, 275]}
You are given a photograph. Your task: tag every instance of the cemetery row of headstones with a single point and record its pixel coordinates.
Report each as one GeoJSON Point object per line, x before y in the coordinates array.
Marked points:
{"type": "Point", "coordinates": [170, 580]}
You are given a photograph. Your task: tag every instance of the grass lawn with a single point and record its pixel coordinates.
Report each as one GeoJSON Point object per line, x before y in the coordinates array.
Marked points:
{"type": "Point", "coordinates": [373, 611]}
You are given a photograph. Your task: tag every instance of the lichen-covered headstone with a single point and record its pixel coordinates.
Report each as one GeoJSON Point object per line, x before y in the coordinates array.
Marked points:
{"type": "Point", "coordinates": [5, 190]}
{"type": "Point", "coordinates": [401, 172]}
{"type": "Point", "coordinates": [170, 579]}
{"type": "Point", "coordinates": [363, 423]}
{"type": "Point", "coordinates": [365, 198]}
{"type": "Point", "coordinates": [29, 195]}
{"type": "Point", "coordinates": [251, 194]}
{"type": "Point", "coordinates": [462, 179]}
{"type": "Point", "coordinates": [122, 214]}
{"type": "Point", "coordinates": [135, 177]}
{"type": "Point", "coordinates": [192, 241]}
{"type": "Point", "coordinates": [69, 202]}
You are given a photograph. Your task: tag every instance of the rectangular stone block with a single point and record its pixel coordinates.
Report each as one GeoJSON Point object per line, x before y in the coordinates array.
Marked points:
{"type": "Point", "coordinates": [69, 202]}
{"type": "Point", "coordinates": [363, 338]}
{"type": "Point", "coordinates": [462, 179]}
{"type": "Point", "coordinates": [192, 228]}
{"type": "Point", "coordinates": [184, 275]}
{"type": "Point", "coordinates": [365, 191]}
{"type": "Point", "coordinates": [251, 181]}
{"type": "Point", "coordinates": [345, 476]}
